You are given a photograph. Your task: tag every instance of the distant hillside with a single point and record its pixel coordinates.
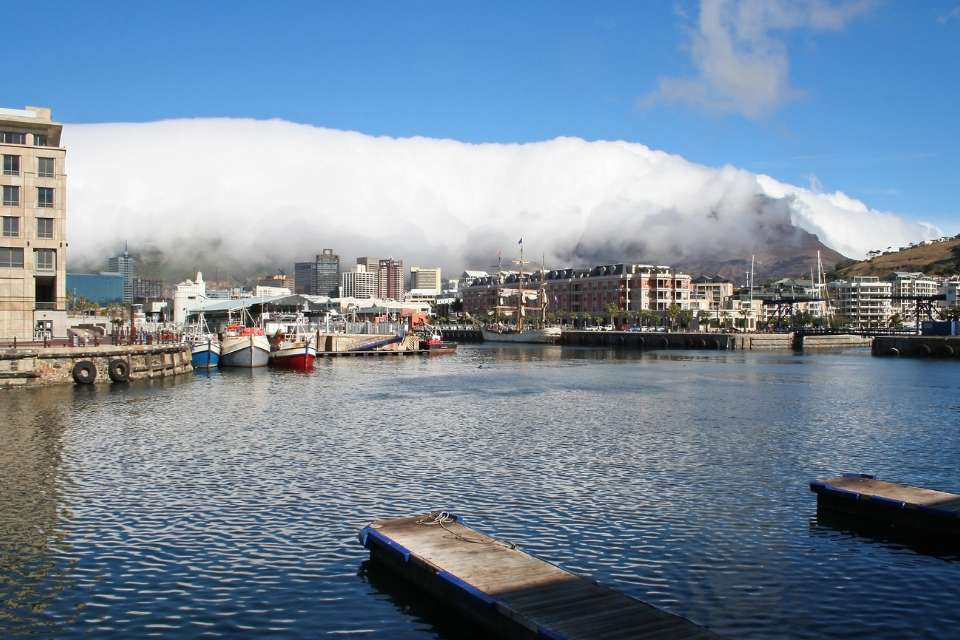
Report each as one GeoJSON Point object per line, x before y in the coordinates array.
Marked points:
{"type": "Point", "coordinates": [782, 251]}
{"type": "Point", "coordinates": [937, 258]}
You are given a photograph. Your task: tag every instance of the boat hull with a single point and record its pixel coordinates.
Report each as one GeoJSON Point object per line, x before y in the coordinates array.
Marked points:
{"type": "Point", "coordinates": [206, 355]}
{"type": "Point", "coordinates": [245, 351]}
{"type": "Point", "coordinates": [549, 335]}
{"type": "Point", "coordinates": [300, 358]}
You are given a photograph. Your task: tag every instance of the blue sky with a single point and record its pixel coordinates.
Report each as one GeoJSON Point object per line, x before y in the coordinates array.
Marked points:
{"type": "Point", "coordinates": [868, 102]}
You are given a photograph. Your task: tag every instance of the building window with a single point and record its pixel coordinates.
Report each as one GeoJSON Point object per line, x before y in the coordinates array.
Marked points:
{"type": "Point", "coordinates": [11, 227]}
{"type": "Point", "coordinates": [39, 140]}
{"type": "Point", "coordinates": [12, 137]}
{"type": "Point", "coordinates": [45, 168]}
{"type": "Point", "coordinates": [44, 259]}
{"type": "Point", "coordinates": [11, 196]}
{"type": "Point", "coordinates": [11, 165]}
{"type": "Point", "coordinates": [11, 257]}
{"type": "Point", "coordinates": [44, 227]}
{"type": "Point", "coordinates": [44, 197]}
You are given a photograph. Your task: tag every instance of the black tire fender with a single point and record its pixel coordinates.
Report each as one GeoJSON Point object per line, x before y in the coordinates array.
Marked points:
{"type": "Point", "coordinates": [84, 372]}
{"type": "Point", "coordinates": [119, 370]}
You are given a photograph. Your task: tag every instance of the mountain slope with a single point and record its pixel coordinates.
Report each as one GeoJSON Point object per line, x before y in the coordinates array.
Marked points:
{"type": "Point", "coordinates": [937, 258]}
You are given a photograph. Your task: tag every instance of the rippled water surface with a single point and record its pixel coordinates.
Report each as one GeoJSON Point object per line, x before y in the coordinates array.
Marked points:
{"type": "Point", "coordinates": [228, 505]}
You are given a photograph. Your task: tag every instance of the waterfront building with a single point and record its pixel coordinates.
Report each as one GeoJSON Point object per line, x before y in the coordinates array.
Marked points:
{"type": "Point", "coordinates": [358, 283]}
{"type": "Point", "coordinates": [425, 279]}
{"type": "Point", "coordinates": [33, 294]}
{"type": "Point", "coordinates": [390, 279]}
{"type": "Point", "coordinates": [712, 292]}
{"type": "Point", "coordinates": [320, 277]}
{"type": "Point", "coordinates": [99, 288]}
{"type": "Point", "coordinates": [584, 292]}
{"type": "Point", "coordinates": [189, 294]}
{"type": "Point", "coordinates": [863, 302]}
{"type": "Point", "coordinates": [125, 265]}
{"type": "Point", "coordinates": [910, 285]}
{"type": "Point", "coordinates": [950, 288]}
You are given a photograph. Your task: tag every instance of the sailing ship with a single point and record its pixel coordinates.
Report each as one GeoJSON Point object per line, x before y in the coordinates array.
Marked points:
{"type": "Point", "coordinates": [244, 346]}
{"type": "Point", "coordinates": [204, 345]}
{"type": "Point", "coordinates": [523, 330]}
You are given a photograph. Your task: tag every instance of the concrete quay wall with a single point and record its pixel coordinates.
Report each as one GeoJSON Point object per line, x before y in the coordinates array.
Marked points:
{"type": "Point", "coordinates": [647, 340]}
{"type": "Point", "coordinates": [764, 341]}
{"type": "Point", "coordinates": [917, 346]}
{"type": "Point", "coordinates": [833, 342]}
{"type": "Point", "coordinates": [54, 365]}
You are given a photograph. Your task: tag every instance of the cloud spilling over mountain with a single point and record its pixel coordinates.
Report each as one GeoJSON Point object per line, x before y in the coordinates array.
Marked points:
{"type": "Point", "coordinates": [244, 195]}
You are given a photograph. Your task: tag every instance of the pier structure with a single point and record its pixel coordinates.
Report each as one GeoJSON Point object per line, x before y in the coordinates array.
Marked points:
{"type": "Point", "coordinates": [37, 366]}
{"type": "Point", "coordinates": [899, 505]}
{"type": "Point", "coordinates": [917, 346]}
{"type": "Point", "coordinates": [509, 593]}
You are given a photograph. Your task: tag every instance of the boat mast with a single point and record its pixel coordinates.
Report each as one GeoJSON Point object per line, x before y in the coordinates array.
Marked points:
{"type": "Point", "coordinates": [520, 264]}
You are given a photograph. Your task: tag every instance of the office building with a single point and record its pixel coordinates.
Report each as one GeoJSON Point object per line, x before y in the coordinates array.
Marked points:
{"type": "Point", "coordinates": [321, 277]}
{"type": "Point", "coordinates": [425, 279]}
{"type": "Point", "coordinates": [33, 294]}
{"type": "Point", "coordinates": [99, 288]}
{"type": "Point", "coordinates": [126, 265]}
{"type": "Point", "coordinates": [358, 283]}
{"type": "Point", "coordinates": [147, 289]}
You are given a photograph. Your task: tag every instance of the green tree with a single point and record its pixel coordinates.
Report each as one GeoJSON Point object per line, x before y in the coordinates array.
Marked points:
{"type": "Point", "coordinates": [895, 321]}
{"type": "Point", "coordinates": [612, 311]}
{"type": "Point", "coordinates": [673, 312]}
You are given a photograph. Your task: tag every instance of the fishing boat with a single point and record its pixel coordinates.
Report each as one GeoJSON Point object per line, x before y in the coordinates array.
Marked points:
{"type": "Point", "coordinates": [535, 331]}
{"type": "Point", "coordinates": [244, 345]}
{"type": "Point", "coordinates": [204, 345]}
{"type": "Point", "coordinates": [435, 344]}
{"type": "Point", "coordinates": [295, 349]}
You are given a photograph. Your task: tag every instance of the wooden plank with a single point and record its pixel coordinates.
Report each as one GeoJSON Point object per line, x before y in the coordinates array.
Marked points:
{"type": "Point", "coordinates": [511, 592]}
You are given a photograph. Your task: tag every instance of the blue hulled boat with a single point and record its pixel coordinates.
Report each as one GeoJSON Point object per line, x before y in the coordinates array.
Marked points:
{"type": "Point", "coordinates": [205, 346]}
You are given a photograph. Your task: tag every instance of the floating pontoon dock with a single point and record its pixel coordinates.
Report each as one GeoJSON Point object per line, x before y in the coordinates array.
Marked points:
{"type": "Point", "coordinates": [896, 504]}
{"type": "Point", "coordinates": [511, 593]}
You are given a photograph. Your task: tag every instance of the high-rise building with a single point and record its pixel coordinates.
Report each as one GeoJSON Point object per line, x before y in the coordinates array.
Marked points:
{"type": "Point", "coordinates": [425, 279]}
{"type": "Point", "coordinates": [358, 283]}
{"type": "Point", "coordinates": [372, 265]}
{"type": "Point", "coordinates": [863, 302]}
{"type": "Point", "coordinates": [33, 297]}
{"type": "Point", "coordinates": [390, 279]}
{"type": "Point", "coordinates": [321, 277]}
{"type": "Point", "coordinates": [126, 265]}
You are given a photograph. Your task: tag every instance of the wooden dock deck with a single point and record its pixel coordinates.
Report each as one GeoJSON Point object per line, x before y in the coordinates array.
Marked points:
{"type": "Point", "coordinates": [511, 593]}
{"type": "Point", "coordinates": [897, 504]}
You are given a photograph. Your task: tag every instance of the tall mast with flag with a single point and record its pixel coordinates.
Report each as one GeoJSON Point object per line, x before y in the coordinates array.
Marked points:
{"type": "Point", "coordinates": [520, 264]}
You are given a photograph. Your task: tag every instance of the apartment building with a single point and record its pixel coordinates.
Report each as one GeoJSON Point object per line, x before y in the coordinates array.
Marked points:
{"type": "Point", "coordinates": [711, 293]}
{"type": "Point", "coordinates": [572, 292]}
{"type": "Point", "coordinates": [33, 235]}
{"type": "Point", "coordinates": [862, 302]}
{"type": "Point", "coordinates": [910, 285]}
{"type": "Point", "coordinates": [390, 279]}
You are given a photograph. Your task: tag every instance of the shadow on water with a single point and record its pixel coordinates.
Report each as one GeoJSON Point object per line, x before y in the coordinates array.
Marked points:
{"type": "Point", "coordinates": [412, 601]}
{"type": "Point", "coordinates": [944, 547]}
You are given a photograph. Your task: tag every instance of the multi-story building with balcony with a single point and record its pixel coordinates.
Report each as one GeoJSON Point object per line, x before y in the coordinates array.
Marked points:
{"type": "Point", "coordinates": [33, 299]}
{"type": "Point", "coordinates": [585, 292]}
{"type": "Point", "coordinates": [863, 302]}
{"type": "Point", "coordinates": [909, 286]}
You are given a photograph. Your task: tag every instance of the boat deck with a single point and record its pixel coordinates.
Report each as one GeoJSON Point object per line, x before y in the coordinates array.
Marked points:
{"type": "Point", "coordinates": [512, 593]}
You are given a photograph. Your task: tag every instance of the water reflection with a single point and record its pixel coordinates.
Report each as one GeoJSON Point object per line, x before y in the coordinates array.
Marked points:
{"type": "Point", "coordinates": [35, 567]}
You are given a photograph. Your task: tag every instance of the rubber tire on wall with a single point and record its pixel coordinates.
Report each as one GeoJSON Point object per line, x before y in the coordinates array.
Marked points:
{"type": "Point", "coordinates": [119, 371]}
{"type": "Point", "coordinates": [84, 372]}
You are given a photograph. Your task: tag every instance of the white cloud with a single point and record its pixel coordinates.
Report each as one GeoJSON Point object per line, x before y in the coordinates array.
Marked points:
{"type": "Point", "coordinates": [741, 63]}
{"type": "Point", "coordinates": [270, 192]}
{"type": "Point", "coordinates": [953, 14]}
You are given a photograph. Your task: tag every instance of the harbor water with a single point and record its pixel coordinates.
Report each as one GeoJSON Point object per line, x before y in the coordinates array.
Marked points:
{"type": "Point", "coordinates": [227, 505]}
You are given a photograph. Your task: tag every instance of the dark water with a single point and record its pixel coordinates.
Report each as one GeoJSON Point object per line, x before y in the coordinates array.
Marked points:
{"type": "Point", "coordinates": [228, 505]}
